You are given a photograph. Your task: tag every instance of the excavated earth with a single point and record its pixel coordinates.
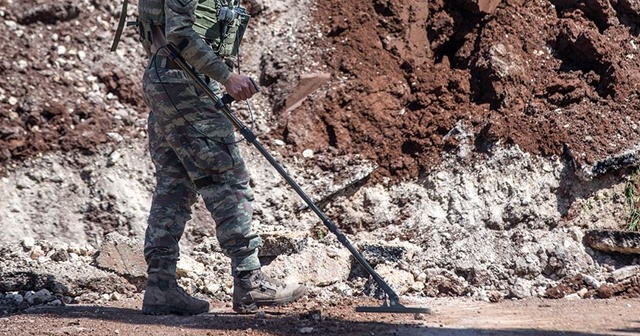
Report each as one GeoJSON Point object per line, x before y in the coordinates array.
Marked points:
{"type": "Point", "coordinates": [469, 146]}
{"type": "Point", "coordinates": [552, 77]}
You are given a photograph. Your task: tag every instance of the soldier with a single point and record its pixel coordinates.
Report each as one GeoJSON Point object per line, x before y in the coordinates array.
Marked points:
{"type": "Point", "coordinates": [194, 151]}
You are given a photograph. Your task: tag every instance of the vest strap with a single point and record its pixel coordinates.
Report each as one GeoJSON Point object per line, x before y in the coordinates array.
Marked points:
{"type": "Point", "coordinates": [121, 22]}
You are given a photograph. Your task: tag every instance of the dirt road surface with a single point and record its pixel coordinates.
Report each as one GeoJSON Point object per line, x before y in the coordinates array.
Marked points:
{"type": "Point", "coordinates": [449, 317]}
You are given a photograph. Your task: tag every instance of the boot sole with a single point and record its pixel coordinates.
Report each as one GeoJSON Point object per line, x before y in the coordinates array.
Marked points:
{"type": "Point", "coordinates": [167, 310]}
{"type": "Point", "coordinates": [253, 307]}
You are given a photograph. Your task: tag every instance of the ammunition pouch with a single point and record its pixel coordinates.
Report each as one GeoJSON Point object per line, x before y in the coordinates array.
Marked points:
{"type": "Point", "coordinates": [223, 27]}
{"type": "Point", "coordinates": [219, 22]}
{"type": "Point", "coordinates": [144, 30]}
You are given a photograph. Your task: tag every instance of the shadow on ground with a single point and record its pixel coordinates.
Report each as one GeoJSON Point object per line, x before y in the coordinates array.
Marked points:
{"type": "Point", "coordinates": [274, 323]}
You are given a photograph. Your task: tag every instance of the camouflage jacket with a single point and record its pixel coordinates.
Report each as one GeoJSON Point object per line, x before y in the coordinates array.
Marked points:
{"type": "Point", "coordinates": [179, 17]}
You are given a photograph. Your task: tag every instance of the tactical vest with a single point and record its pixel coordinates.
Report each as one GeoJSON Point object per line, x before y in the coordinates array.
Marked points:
{"type": "Point", "coordinates": [221, 23]}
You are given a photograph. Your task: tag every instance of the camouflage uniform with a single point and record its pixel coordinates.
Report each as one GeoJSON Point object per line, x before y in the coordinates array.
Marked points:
{"type": "Point", "coordinates": [194, 151]}
{"type": "Point", "coordinates": [193, 148]}
{"type": "Point", "coordinates": [198, 145]}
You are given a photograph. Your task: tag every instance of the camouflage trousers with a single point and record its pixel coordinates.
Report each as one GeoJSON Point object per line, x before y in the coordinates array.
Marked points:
{"type": "Point", "coordinates": [194, 151]}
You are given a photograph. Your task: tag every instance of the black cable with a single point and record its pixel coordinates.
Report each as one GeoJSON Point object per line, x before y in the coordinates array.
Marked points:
{"type": "Point", "coordinates": [249, 107]}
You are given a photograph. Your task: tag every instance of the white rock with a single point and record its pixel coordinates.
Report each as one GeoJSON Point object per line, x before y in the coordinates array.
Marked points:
{"type": "Point", "coordinates": [306, 330]}
{"type": "Point", "coordinates": [573, 296]}
{"type": "Point", "coordinates": [115, 136]}
{"type": "Point", "coordinates": [521, 289]}
{"type": "Point", "coordinates": [307, 153]}
{"type": "Point", "coordinates": [591, 281]}
{"type": "Point", "coordinates": [115, 296]}
{"type": "Point", "coordinates": [113, 158]}
{"type": "Point", "coordinates": [74, 248]}
{"type": "Point", "coordinates": [211, 288]}
{"type": "Point", "coordinates": [417, 286]}
{"type": "Point", "coordinates": [625, 273]}
{"type": "Point", "coordinates": [188, 267]}
{"type": "Point", "coordinates": [419, 316]}
{"type": "Point", "coordinates": [442, 176]}
{"type": "Point", "coordinates": [28, 242]}
{"type": "Point", "coordinates": [583, 292]}
{"type": "Point", "coordinates": [12, 25]}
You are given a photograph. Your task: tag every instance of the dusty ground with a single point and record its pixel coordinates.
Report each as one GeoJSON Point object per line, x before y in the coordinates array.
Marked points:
{"type": "Point", "coordinates": [449, 317]}
{"type": "Point", "coordinates": [412, 82]}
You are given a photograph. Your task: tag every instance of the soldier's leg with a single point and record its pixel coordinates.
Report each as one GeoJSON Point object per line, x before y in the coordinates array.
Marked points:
{"type": "Point", "coordinates": [227, 194]}
{"type": "Point", "coordinates": [170, 210]}
{"type": "Point", "coordinates": [170, 207]}
{"type": "Point", "coordinates": [230, 205]}
{"type": "Point", "coordinates": [229, 202]}
{"type": "Point", "coordinates": [208, 149]}
{"type": "Point", "coordinates": [203, 139]}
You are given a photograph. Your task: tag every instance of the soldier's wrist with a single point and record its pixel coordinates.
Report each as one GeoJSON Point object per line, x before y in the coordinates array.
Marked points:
{"type": "Point", "coordinates": [223, 80]}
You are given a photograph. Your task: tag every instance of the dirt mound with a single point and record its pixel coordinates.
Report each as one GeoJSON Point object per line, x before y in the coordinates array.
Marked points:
{"type": "Point", "coordinates": [554, 78]}
{"type": "Point", "coordinates": [57, 79]}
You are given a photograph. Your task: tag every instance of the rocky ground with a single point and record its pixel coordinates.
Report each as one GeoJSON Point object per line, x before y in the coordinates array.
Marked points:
{"type": "Point", "coordinates": [470, 149]}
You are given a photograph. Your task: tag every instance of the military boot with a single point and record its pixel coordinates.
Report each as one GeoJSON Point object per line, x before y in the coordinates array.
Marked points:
{"type": "Point", "coordinates": [164, 296]}
{"type": "Point", "coordinates": [253, 289]}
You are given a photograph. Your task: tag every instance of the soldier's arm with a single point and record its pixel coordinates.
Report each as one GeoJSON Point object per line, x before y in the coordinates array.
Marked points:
{"type": "Point", "coordinates": [180, 16]}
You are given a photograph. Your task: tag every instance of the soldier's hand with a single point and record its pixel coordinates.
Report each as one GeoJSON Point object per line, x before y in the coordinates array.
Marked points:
{"type": "Point", "coordinates": [240, 87]}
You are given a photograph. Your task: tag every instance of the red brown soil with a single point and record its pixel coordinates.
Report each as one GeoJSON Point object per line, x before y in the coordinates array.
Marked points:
{"type": "Point", "coordinates": [553, 77]}
{"type": "Point", "coordinates": [53, 108]}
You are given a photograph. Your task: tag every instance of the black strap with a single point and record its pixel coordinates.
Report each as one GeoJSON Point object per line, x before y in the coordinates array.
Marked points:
{"type": "Point", "coordinates": [123, 19]}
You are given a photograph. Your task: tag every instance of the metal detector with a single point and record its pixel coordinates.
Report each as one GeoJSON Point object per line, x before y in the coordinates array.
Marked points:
{"type": "Point", "coordinates": [391, 304]}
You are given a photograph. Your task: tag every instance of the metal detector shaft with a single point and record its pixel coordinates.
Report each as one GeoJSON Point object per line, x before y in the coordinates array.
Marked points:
{"type": "Point", "coordinates": [223, 105]}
